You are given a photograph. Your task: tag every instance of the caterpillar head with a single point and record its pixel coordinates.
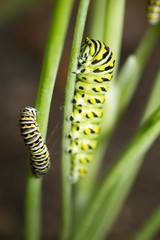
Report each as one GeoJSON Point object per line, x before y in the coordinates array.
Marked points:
{"type": "Point", "coordinates": [87, 51]}
{"type": "Point", "coordinates": [31, 110]}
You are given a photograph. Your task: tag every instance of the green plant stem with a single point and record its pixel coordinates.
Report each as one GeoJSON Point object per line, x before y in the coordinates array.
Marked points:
{"type": "Point", "coordinates": [113, 27]}
{"type": "Point", "coordinates": [128, 77]}
{"type": "Point", "coordinates": [150, 227]}
{"type": "Point", "coordinates": [53, 52]}
{"type": "Point", "coordinates": [11, 9]}
{"type": "Point", "coordinates": [70, 86]}
{"type": "Point", "coordinates": [112, 36]}
{"type": "Point", "coordinates": [154, 99]}
{"type": "Point", "coordinates": [128, 160]}
{"type": "Point", "coordinates": [95, 25]}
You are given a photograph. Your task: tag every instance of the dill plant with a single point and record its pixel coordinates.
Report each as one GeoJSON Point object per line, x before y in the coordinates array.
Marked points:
{"type": "Point", "coordinates": [94, 214]}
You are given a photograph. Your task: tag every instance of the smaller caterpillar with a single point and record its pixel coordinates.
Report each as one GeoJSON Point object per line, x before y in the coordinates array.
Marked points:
{"type": "Point", "coordinates": [38, 152]}
{"type": "Point", "coordinates": [153, 11]}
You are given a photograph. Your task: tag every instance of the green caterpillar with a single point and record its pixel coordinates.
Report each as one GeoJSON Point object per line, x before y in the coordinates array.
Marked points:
{"type": "Point", "coordinates": [94, 71]}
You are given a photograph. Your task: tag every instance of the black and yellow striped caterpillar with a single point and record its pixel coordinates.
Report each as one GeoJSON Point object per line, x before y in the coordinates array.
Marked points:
{"type": "Point", "coordinates": [38, 152]}
{"type": "Point", "coordinates": [94, 71]}
{"type": "Point", "coordinates": [153, 11]}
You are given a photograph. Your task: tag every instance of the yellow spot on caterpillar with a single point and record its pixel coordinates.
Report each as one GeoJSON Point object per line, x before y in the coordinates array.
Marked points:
{"type": "Point", "coordinates": [82, 170]}
{"type": "Point", "coordinates": [99, 57]}
{"type": "Point", "coordinates": [83, 160]}
{"type": "Point", "coordinates": [92, 100]}
{"type": "Point", "coordinates": [94, 146]}
{"type": "Point", "coordinates": [44, 161]}
{"type": "Point", "coordinates": [111, 64]}
{"type": "Point", "coordinates": [29, 135]}
{"type": "Point", "coordinates": [106, 88]}
{"type": "Point", "coordinates": [36, 163]}
{"type": "Point", "coordinates": [98, 89]}
{"type": "Point", "coordinates": [26, 126]}
{"type": "Point", "coordinates": [99, 80]}
{"type": "Point", "coordinates": [97, 130]}
{"type": "Point", "coordinates": [99, 115]}
{"type": "Point", "coordinates": [89, 115]}
{"type": "Point", "coordinates": [87, 131]}
{"type": "Point", "coordinates": [102, 101]}
{"type": "Point", "coordinates": [42, 155]}
{"type": "Point", "coordinates": [32, 125]}
{"type": "Point", "coordinates": [85, 146]}
{"type": "Point", "coordinates": [34, 144]}
{"type": "Point", "coordinates": [101, 68]}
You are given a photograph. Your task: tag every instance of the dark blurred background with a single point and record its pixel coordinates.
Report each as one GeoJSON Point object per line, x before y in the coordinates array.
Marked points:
{"type": "Point", "coordinates": [22, 44]}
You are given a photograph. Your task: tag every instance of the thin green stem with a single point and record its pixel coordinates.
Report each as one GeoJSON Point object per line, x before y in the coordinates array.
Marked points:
{"type": "Point", "coordinates": [150, 227]}
{"type": "Point", "coordinates": [66, 216]}
{"type": "Point", "coordinates": [53, 52]}
{"type": "Point", "coordinates": [154, 99]}
{"type": "Point", "coordinates": [11, 9]}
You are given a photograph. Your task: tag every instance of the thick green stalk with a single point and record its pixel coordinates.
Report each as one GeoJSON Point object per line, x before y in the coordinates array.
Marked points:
{"type": "Point", "coordinates": [96, 21]}
{"type": "Point", "coordinates": [53, 52]}
{"type": "Point", "coordinates": [11, 9]}
{"type": "Point", "coordinates": [112, 36]}
{"type": "Point", "coordinates": [66, 223]}
{"type": "Point", "coordinates": [150, 227]}
{"type": "Point", "coordinates": [129, 159]}
{"type": "Point", "coordinates": [113, 27]}
{"type": "Point", "coordinates": [131, 71]}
